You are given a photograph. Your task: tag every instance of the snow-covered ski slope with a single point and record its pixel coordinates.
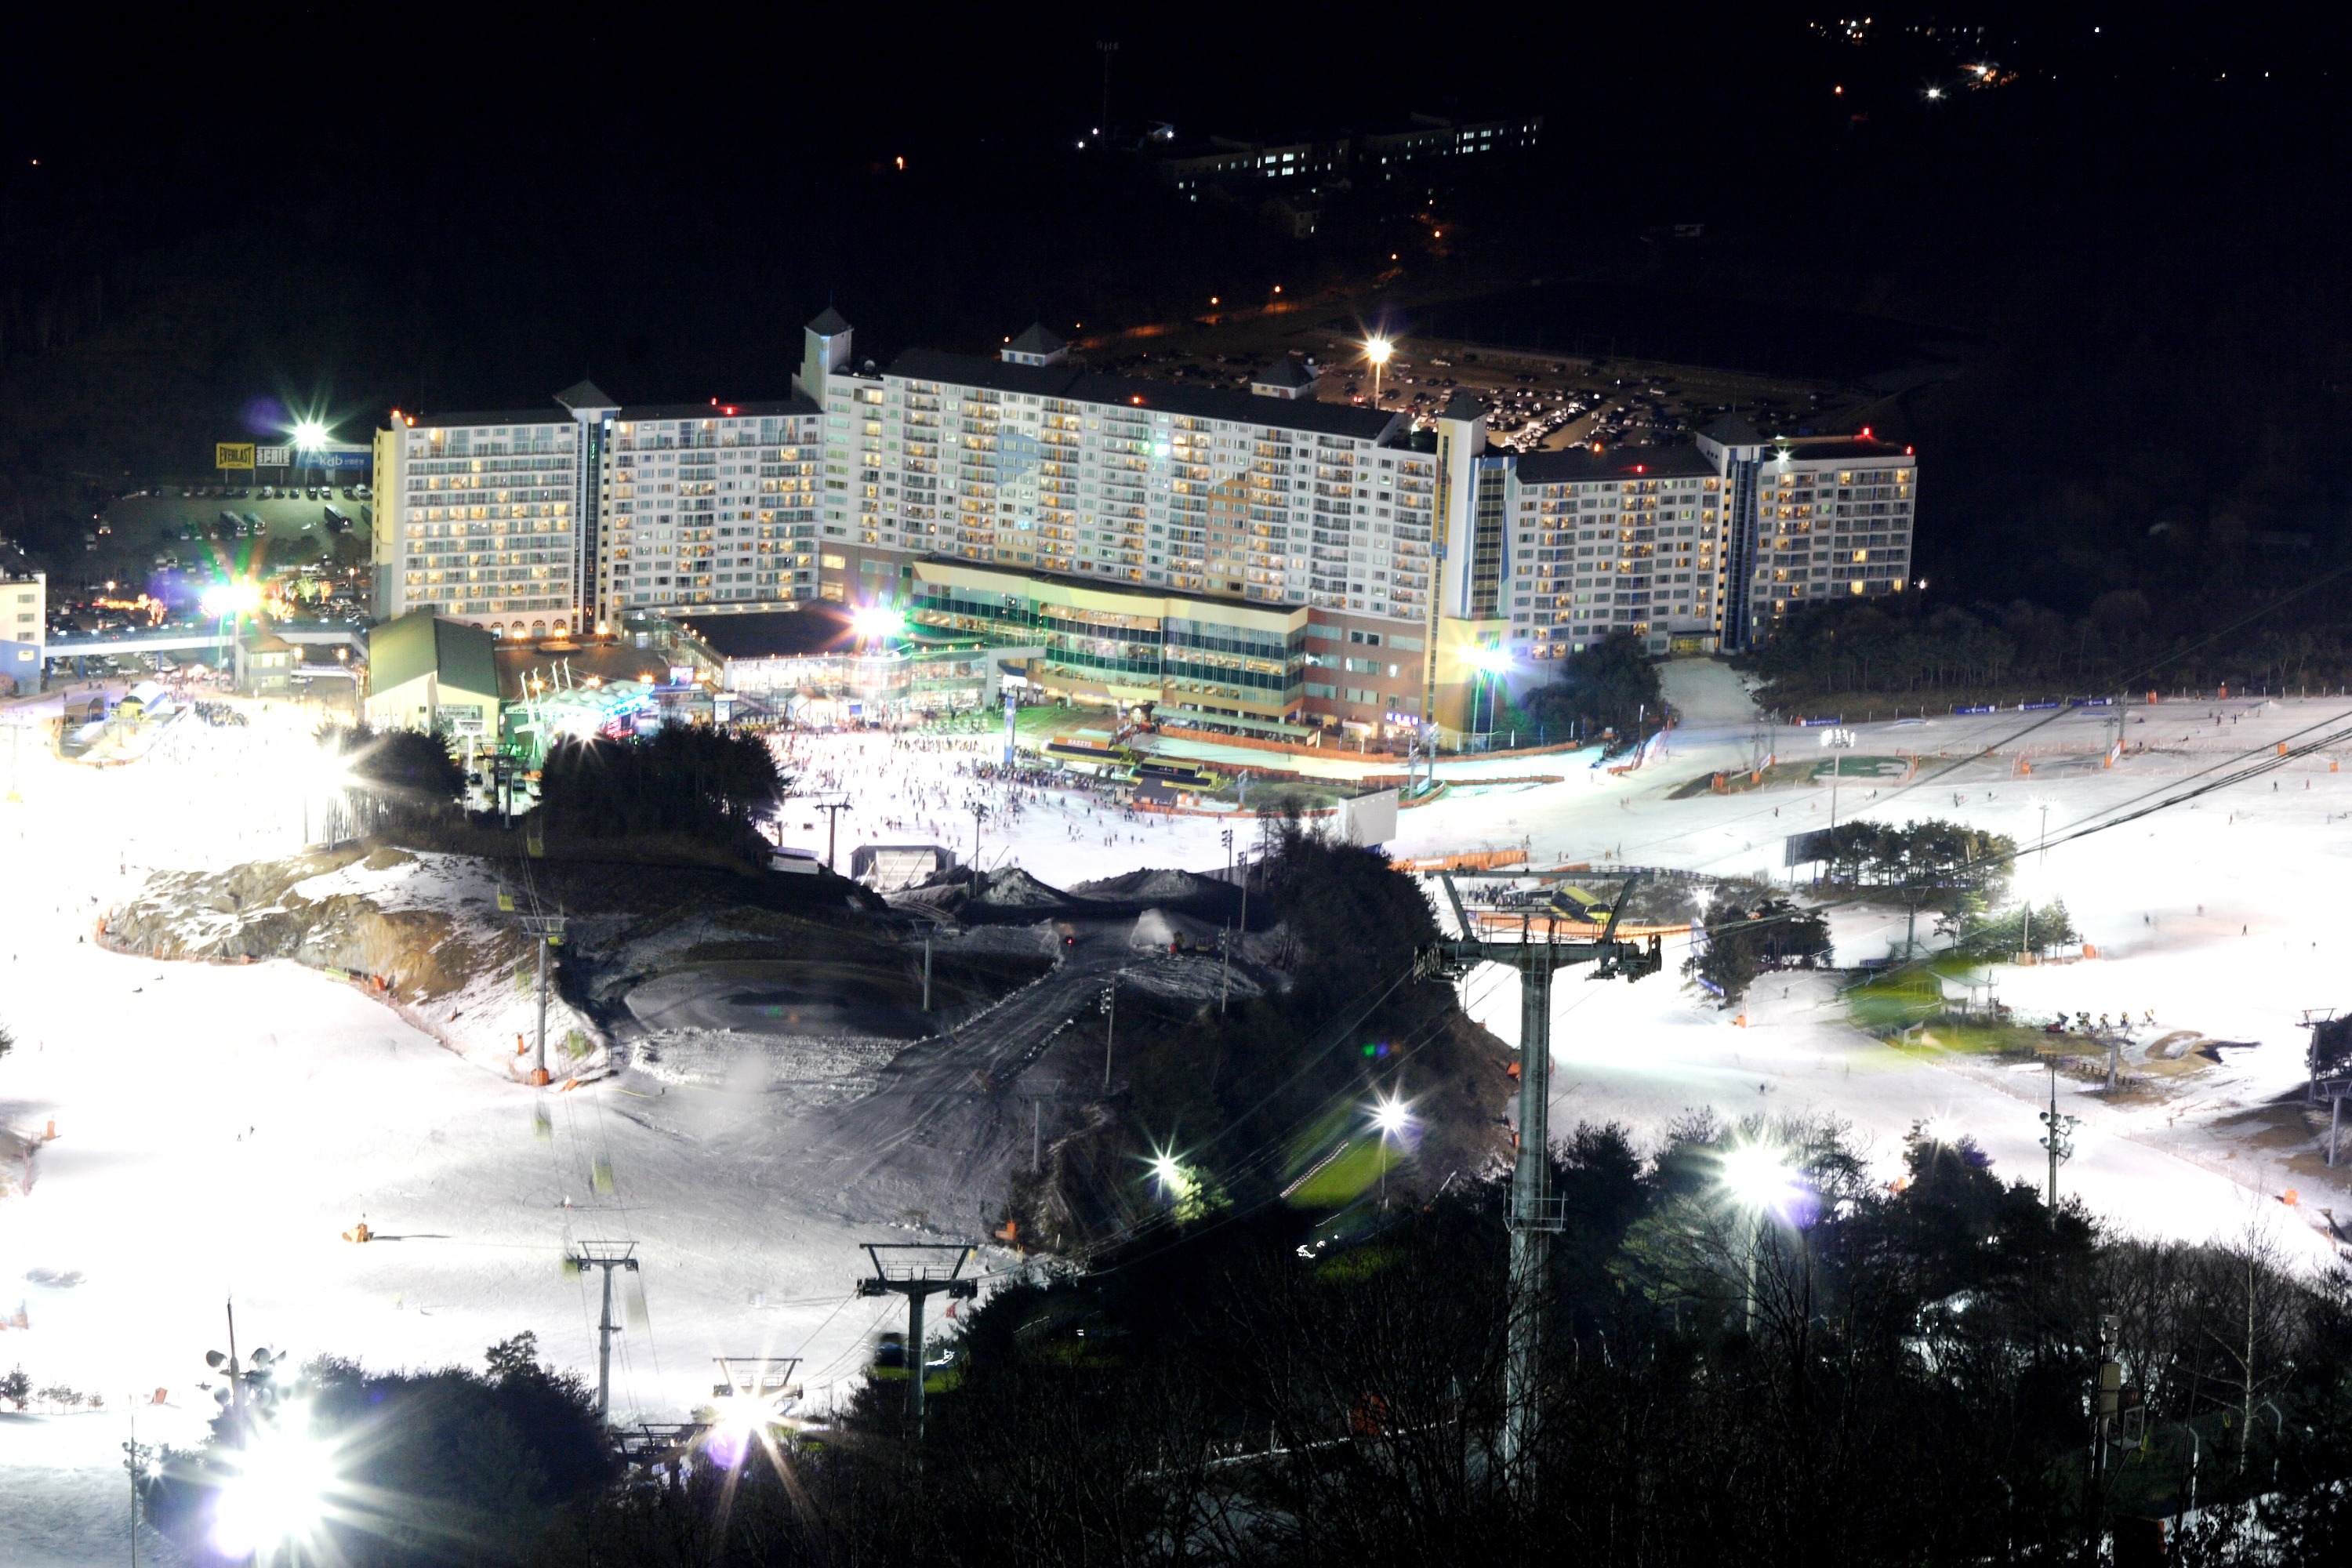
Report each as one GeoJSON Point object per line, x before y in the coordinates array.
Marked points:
{"type": "Point", "coordinates": [218, 1128]}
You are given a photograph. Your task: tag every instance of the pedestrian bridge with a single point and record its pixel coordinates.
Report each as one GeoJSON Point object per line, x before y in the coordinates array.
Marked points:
{"type": "Point", "coordinates": [192, 639]}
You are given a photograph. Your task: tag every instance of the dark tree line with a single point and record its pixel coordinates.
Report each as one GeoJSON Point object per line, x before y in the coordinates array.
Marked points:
{"type": "Point", "coordinates": [703, 784]}
{"type": "Point", "coordinates": [1748, 929]}
{"type": "Point", "coordinates": [1249, 1076]}
{"type": "Point", "coordinates": [1918, 647]}
{"type": "Point", "coordinates": [1612, 685]}
{"type": "Point", "coordinates": [1932, 863]}
{"type": "Point", "coordinates": [1853, 1373]}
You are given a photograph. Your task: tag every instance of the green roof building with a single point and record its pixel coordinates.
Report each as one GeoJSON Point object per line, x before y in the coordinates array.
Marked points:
{"type": "Point", "coordinates": [428, 672]}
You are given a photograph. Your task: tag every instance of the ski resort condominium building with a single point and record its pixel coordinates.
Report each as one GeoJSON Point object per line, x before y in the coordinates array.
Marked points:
{"type": "Point", "coordinates": [1260, 559]}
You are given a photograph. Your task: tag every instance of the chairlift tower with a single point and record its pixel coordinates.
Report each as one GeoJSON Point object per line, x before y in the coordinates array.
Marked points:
{"type": "Point", "coordinates": [606, 1255]}
{"type": "Point", "coordinates": [918, 1270]}
{"type": "Point", "coordinates": [1537, 954]}
{"type": "Point", "coordinates": [549, 931]}
{"type": "Point", "coordinates": [832, 810]}
{"type": "Point", "coordinates": [2058, 1136]}
{"type": "Point", "coordinates": [2314, 1019]}
{"type": "Point", "coordinates": [762, 1377]}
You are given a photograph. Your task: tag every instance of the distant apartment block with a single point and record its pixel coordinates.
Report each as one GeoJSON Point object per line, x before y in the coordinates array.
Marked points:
{"type": "Point", "coordinates": [1260, 558]}
{"type": "Point", "coordinates": [531, 521]}
{"type": "Point", "coordinates": [24, 630]}
{"type": "Point", "coordinates": [1424, 146]}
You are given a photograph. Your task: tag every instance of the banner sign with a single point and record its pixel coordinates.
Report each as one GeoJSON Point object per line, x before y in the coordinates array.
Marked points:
{"type": "Point", "coordinates": [233, 455]}
{"type": "Point", "coordinates": [1804, 848]}
{"type": "Point", "coordinates": [357, 457]}
{"type": "Point", "coordinates": [270, 457]}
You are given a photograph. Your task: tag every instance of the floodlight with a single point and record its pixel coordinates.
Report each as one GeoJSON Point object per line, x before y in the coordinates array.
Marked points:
{"type": "Point", "coordinates": [281, 1492]}
{"type": "Point", "coordinates": [743, 1417]}
{"type": "Point", "coordinates": [1392, 1115]}
{"type": "Point", "coordinates": [1488, 660]}
{"type": "Point", "coordinates": [1377, 350]}
{"type": "Point", "coordinates": [1757, 1176]}
{"type": "Point", "coordinates": [223, 600]}
{"type": "Point", "coordinates": [310, 435]}
{"type": "Point", "coordinates": [876, 623]}
{"type": "Point", "coordinates": [1941, 1130]}
{"type": "Point", "coordinates": [1170, 1174]}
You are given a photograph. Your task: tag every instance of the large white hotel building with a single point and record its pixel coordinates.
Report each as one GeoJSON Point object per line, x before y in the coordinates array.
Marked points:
{"type": "Point", "coordinates": [1262, 557]}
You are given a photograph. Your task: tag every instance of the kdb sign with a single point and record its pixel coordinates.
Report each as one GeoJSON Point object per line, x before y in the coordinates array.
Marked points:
{"type": "Point", "coordinates": [343, 457]}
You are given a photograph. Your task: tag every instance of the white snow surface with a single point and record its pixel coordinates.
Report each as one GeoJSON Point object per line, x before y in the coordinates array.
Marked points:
{"type": "Point", "coordinates": [218, 1127]}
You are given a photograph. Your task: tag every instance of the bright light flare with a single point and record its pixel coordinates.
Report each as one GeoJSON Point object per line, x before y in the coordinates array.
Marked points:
{"type": "Point", "coordinates": [1487, 661]}
{"type": "Point", "coordinates": [742, 1420]}
{"type": "Point", "coordinates": [1377, 350]}
{"type": "Point", "coordinates": [1392, 1115]}
{"type": "Point", "coordinates": [281, 1491]}
{"type": "Point", "coordinates": [876, 623]}
{"type": "Point", "coordinates": [1758, 1178]}
{"type": "Point", "coordinates": [223, 600]}
{"type": "Point", "coordinates": [309, 435]}
{"type": "Point", "coordinates": [1941, 1130]}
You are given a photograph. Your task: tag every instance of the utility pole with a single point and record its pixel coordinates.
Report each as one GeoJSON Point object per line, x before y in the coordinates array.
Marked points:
{"type": "Point", "coordinates": [606, 1255]}
{"type": "Point", "coordinates": [832, 810]}
{"type": "Point", "coordinates": [926, 969]}
{"type": "Point", "coordinates": [1108, 49]}
{"type": "Point", "coordinates": [2335, 1089]}
{"type": "Point", "coordinates": [979, 813]}
{"type": "Point", "coordinates": [549, 930]}
{"type": "Point", "coordinates": [1837, 738]}
{"type": "Point", "coordinates": [1535, 1214]}
{"type": "Point", "coordinates": [1224, 981]}
{"type": "Point", "coordinates": [914, 1270]}
{"type": "Point", "coordinates": [2058, 1139]}
{"type": "Point", "coordinates": [132, 1464]}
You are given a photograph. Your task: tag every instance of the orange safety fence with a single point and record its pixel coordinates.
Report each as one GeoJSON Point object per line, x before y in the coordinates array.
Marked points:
{"type": "Point", "coordinates": [1474, 860]}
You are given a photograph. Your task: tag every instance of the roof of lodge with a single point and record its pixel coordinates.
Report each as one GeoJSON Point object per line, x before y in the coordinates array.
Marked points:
{"type": "Point", "coordinates": [1284, 371]}
{"type": "Point", "coordinates": [1582, 465]}
{"type": "Point", "coordinates": [421, 643]}
{"type": "Point", "coordinates": [551, 415]}
{"type": "Point", "coordinates": [812, 629]}
{"type": "Point", "coordinates": [583, 393]}
{"type": "Point", "coordinates": [767, 409]}
{"type": "Point", "coordinates": [1035, 339]}
{"type": "Point", "coordinates": [559, 411]}
{"type": "Point", "coordinates": [1164, 397]}
{"type": "Point", "coordinates": [1843, 450]}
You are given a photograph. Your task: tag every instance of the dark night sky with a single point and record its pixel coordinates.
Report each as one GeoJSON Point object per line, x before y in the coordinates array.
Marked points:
{"type": "Point", "coordinates": [453, 206]}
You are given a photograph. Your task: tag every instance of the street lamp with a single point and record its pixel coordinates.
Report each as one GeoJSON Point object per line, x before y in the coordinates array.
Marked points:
{"type": "Point", "coordinates": [278, 1494]}
{"type": "Point", "coordinates": [1378, 351]}
{"type": "Point", "coordinates": [1756, 1178]}
{"type": "Point", "coordinates": [876, 623]}
{"type": "Point", "coordinates": [310, 435]}
{"type": "Point", "coordinates": [1489, 663]}
{"type": "Point", "coordinates": [1391, 1116]}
